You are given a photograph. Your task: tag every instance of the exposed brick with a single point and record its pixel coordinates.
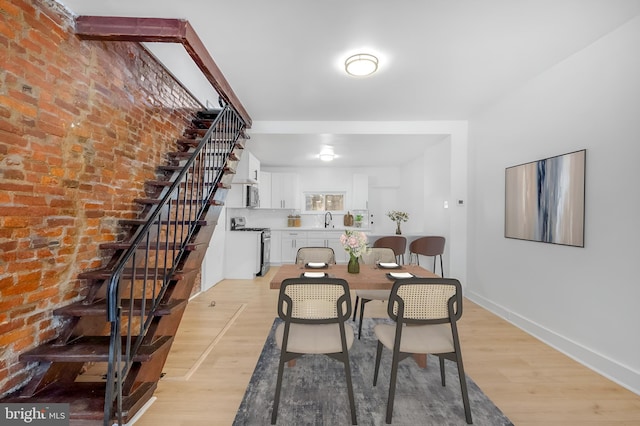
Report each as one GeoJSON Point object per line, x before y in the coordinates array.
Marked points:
{"type": "Point", "coordinates": [14, 335]}
{"type": "Point", "coordinates": [80, 133]}
{"type": "Point", "coordinates": [16, 222]}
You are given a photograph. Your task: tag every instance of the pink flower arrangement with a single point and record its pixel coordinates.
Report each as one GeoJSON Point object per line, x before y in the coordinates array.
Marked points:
{"type": "Point", "coordinates": [354, 242]}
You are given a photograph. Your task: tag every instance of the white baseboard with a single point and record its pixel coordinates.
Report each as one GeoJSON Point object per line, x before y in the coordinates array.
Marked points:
{"type": "Point", "coordinates": [140, 412]}
{"type": "Point", "coordinates": [607, 367]}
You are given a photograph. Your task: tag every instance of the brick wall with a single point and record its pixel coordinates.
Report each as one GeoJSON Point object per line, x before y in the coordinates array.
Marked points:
{"type": "Point", "coordinates": [82, 125]}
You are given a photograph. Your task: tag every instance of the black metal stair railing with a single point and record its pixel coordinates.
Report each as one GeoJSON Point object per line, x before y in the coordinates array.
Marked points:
{"type": "Point", "coordinates": [146, 270]}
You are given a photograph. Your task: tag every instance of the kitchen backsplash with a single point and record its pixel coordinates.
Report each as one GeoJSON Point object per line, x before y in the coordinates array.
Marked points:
{"type": "Point", "coordinates": [276, 218]}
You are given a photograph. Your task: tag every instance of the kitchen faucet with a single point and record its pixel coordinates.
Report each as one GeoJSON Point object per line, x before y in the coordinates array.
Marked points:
{"type": "Point", "coordinates": [328, 221]}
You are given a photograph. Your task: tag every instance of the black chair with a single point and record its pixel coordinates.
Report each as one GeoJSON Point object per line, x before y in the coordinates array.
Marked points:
{"type": "Point", "coordinates": [314, 311]}
{"type": "Point", "coordinates": [395, 242]}
{"type": "Point", "coordinates": [428, 246]}
{"type": "Point", "coordinates": [425, 311]}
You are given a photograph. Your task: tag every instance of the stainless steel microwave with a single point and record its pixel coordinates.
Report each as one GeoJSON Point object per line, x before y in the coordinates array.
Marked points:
{"type": "Point", "coordinates": [252, 196]}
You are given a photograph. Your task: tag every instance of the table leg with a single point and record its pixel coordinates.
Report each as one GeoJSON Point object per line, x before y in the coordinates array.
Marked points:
{"type": "Point", "coordinates": [421, 360]}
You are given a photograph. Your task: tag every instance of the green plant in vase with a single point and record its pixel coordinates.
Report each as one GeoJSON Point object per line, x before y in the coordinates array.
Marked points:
{"type": "Point", "coordinates": [398, 217]}
{"type": "Point", "coordinates": [354, 243]}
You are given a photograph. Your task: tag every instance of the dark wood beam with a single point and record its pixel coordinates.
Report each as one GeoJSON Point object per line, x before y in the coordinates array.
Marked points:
{"type": "Point", "coordinates": [165, 31]}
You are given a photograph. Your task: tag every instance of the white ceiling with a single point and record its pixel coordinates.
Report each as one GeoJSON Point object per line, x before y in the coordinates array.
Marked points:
{"type": "Point", "coordinates": [439, 60]}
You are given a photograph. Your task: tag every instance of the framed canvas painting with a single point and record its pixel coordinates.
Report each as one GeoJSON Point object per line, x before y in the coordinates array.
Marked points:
{"type": "Point", "coordinates": [545, 200]}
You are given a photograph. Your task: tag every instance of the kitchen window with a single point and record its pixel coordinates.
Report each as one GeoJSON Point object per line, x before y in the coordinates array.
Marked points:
{"type": "Point", "coordinates": [323, 201]}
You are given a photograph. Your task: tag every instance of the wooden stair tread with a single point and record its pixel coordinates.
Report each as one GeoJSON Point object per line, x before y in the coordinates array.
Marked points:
{"type": "Point", "coordinates": [177, 167]}
{"type": "Point", "coordinates": [153, 246]}
{"type": "Point", "coordinates": [105, 274]}
{"type": "Point", "coordinates": [193, 132]}
{"type": "Point", "coordinates": [193, 142]}
{"type": "Point", "coordinates": [187, 154]}
{"type": "Point", "coordinates": [157, 201]}
{"type": "Point", "coordinates": [164, 222]}
{"type": "Point", "coordinates": [89, 349]}
{"type": "Point", "coordinates": [86, 399]}
{"type": "Point", "coordinates": [165, 183]}
{"type": "Point", "coordinates": [202, 123]}
{"type": "Point", "coordinates": [209, 114]}
{"type": "Point", "coordinates": [99, 308]}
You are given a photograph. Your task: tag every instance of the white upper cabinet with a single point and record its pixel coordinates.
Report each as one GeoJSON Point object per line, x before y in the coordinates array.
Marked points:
{"type": "Point", "coordinates": [248, 170]}
{"type": "Point", "coordinates": [360, 193]}
{"type": "Point", "coordinates": [265, 190]}
{"type": "Point", "coordinates": [285, 192]}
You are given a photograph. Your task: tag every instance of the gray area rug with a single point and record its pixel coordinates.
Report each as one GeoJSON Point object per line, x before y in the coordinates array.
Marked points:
{"type": "Point", "coordinates": [314, 392]}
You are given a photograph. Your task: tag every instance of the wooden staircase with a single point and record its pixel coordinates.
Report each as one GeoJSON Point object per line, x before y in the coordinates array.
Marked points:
{"type": "Point", "coordinates": [109, 355]}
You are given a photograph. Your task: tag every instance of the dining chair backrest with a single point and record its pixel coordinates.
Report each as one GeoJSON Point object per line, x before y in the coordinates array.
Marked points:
{"type": "Point", "coordinates": [315, 254]}
{"type": "Point", "coordinates": [378, 254]}
{"type": "Point", "coordinates": [395, 242]}
{"type": "Point", "coordinates": [425, 301]}
{"type": "Point", "coordinates": [428, 246]}
{"type": "Point", "coordinates": [314, 300]}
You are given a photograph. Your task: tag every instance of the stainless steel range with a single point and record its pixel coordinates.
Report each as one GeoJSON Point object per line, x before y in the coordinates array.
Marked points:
{"type": "Point", "coordinates": [239, 224]}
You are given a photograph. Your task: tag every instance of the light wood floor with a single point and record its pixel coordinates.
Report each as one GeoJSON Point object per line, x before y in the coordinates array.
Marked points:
{"type": "Point", "coordinates": [217, 347]}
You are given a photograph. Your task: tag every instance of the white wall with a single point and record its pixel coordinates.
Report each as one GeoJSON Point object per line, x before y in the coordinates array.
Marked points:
{"type": "Point", "coordinates": [213, 263]}
{"type": "Point", "coordinates": [584, 301]}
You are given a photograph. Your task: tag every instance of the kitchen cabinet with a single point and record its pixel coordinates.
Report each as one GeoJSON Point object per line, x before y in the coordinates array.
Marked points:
{"type": "Point", "coordinates": [328, 239]}
{"type": "Point", "coordinates": [242, 260]}
{"type": "Point", "coordinates": [291, 242]}
{"type": "Point", "coordinates": [235, 196]}
{"type": "Point", "coordinates": [248, 170]}
{"type": "Point", "coordinates": [360, 194]}
{"type": "Point", "coordinates": [285, 191]}
{"type": "Point", "coordinates": [265, 190]}
{"type": "Point", "coordinates": [276, 246]}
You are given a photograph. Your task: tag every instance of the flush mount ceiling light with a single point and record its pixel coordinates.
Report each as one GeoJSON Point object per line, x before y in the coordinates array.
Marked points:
{"type": "Point", "coordinates": [361, 65]}
{"type": "Point", "coordinates": [327, 154]}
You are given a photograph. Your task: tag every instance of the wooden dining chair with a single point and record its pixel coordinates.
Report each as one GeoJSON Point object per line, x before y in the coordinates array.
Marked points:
{"type": "Point", "coordinates": [372, 256]}
{"type": "Point", "coordinates": [425, 312]}
{"type": "Point", "coordinates": [314, 312]}
{"type": "Point", "coordinates": [428, 246]}
{"type": "Point", "coordinates": [395, 242]}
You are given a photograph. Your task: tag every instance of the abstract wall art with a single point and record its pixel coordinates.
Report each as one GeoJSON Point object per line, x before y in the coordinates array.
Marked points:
{"type": "Point", "coordinates": [545, 200]}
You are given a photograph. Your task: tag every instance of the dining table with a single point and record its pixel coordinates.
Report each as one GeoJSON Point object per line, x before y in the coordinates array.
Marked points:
{"type": "Point", "coordinates": [370, 277]}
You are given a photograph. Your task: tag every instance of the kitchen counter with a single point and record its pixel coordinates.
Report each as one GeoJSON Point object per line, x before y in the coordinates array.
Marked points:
{"type": "Point", "coordinates": [315, 228]}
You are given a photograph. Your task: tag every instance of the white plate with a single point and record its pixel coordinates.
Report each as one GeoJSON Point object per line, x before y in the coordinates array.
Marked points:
{"type": "Point", "coordinates": [388, 265]}
{"type": "Point", "coordinates": [314, 274]}
{"type": "Point", "coordinates": [316, 264]}
{"type": "Point", "coordinates": [401, 274]}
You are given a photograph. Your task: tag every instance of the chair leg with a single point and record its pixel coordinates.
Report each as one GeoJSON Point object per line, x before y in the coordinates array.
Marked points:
{"type": "Point", "coordinates": [442, 379]}
{"type": "Point", "coordinates": [276, 398]}
{"type": "Point", "coordinates": [355, 307]}
{"type": "Point", "coordinates": [463, 388]}
{"type": "Point", "coordinates": [378, 356]}
{"type": "Point", "coordinates": [352, 403]}
{"type": "Point", "coordinates": [441, 268]}
{"type": "Point", "coordinates": [392, 385]}
{"type": "Point", "coordinates": [362, 302]}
